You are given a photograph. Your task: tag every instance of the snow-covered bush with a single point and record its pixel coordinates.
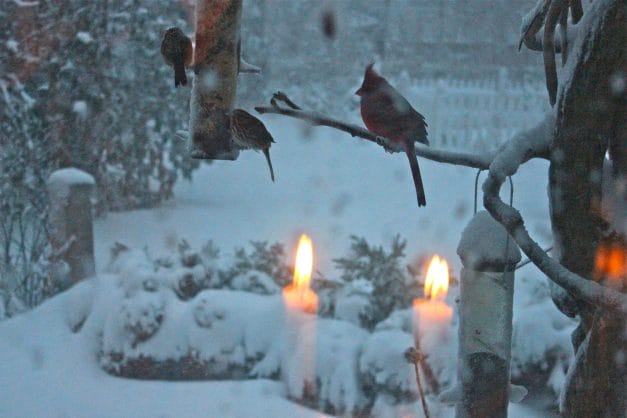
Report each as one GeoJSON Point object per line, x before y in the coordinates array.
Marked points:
{"type": "Point", "coordinates": [150, 330]}
{"type": "Point", "coordinates": [264, 270]}
{"type": "Point", "coordinates": [380, 277]}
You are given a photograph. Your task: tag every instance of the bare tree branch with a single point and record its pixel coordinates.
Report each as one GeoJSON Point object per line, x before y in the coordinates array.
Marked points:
{"type": "Point", "coordinates": [318, 119]}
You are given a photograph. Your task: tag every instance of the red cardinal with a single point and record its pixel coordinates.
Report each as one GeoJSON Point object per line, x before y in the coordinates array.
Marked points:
{"type": "Point", "coordinates": [386, 113]}
{"type": "Point", "coordinates": [177, 51]}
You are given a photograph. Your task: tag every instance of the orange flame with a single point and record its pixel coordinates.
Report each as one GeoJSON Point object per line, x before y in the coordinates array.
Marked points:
{"type": "Point", "coordinates": [611, 262]}
{"type": "Point", "coordinates": [303, 263]}
{"type": "Point", "coordinates": [437, 280]}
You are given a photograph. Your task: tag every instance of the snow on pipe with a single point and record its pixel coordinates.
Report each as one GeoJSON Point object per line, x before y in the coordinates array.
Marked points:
{"type": "Point", "coordinates": [216, 62]}
{"type": "Point", "coordinates": [70, 226]}
{"type": "Point", "coordinates": [489, 259]}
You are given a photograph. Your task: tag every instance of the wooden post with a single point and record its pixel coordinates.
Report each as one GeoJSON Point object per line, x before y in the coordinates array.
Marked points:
{"type": "Point", "coordinates": [216, 63]}
{"type": "Point", "coordinates": [489, 258]}
{"type": "Point", "coordinates": [70, 225]}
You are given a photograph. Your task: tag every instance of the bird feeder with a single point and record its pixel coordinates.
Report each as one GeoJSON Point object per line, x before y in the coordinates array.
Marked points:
{"type": "Point", "coordinates": [489, 259]}
{"type": "Point", "coordinates": [216, 64]}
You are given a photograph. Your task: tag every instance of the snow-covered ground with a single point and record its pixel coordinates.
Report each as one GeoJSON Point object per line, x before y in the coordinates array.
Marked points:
{"type": "Point", "coordinates": [328, 185]}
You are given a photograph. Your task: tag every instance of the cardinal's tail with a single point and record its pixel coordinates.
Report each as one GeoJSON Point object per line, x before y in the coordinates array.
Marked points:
{"type": "Point", "coordinates": [415, 172]}
{"type": "Point", "coordinates": [179, 75]}
{"type": "Point", "coordinates": [266, 152]}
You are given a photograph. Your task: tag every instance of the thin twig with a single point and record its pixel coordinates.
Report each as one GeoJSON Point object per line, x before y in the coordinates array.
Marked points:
{"type": "Point", "coordinates": [279, 95]}
{"type": "Point", "coordinates": [415, 356]}
{"type": "Point", "coordinates": [527, 261]}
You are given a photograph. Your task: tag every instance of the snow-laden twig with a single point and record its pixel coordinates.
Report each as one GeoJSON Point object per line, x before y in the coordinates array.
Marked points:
{"type": "Point", "coordinates": [318, 119]}
{"type": "Point", "coordinates": [508, 159]}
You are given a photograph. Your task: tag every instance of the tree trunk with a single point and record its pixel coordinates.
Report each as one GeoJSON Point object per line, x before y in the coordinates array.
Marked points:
{"type": "Point", "coordinates": [585, 126]}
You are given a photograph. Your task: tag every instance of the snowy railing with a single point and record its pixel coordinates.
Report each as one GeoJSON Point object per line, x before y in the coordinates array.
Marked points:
{"type": "Point", "coordinates": [476, 114]}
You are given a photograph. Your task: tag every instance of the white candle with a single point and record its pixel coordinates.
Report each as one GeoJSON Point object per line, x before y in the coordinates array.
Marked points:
{"type": "Point", "coordinates": [301, 306]}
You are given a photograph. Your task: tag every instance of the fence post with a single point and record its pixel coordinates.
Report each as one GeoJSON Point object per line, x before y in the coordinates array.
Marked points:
{"type": "Point", "coordinates": [70, 226]}
{"type": "Point", "coordinates": [489, 258]}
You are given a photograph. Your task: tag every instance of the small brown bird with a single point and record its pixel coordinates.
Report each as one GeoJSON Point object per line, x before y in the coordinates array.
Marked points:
{"type": "Point", "coordinates": [177, 52]}
{"type": "Point", "coordinates": [387, 113]}
{"type": "Point", "coordinates": [250, 133]}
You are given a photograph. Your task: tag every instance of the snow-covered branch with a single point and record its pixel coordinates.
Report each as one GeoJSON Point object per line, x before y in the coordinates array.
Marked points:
{"type": "Point", "coordinates": [538, 34]}
{"type": "Point", "coordinates": [509, 158]}
{"type": "Point", "coordinates": [318, 119]}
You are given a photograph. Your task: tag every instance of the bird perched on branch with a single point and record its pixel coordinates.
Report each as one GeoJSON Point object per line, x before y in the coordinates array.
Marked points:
{"type": "Point", "coordinates": [387, 113]}
{"type": "Point", "coordinates": [248, 132]}
{"type": "Point", "coordinates": [177, 52]}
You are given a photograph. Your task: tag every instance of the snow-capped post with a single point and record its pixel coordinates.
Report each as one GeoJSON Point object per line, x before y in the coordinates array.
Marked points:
{"type": "Point", "coordinates": [70, 193]}
{"type": "Point", "coordinates": [489, 259]}
{"type": "Point", "coordinates": [216, 63]}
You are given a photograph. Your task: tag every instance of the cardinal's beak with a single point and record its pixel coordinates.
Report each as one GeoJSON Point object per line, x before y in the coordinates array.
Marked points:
{"type": "Point", "coordinates": [358, 92]}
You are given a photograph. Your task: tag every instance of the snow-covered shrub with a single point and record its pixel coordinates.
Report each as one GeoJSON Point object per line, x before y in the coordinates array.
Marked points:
{"type": "Point", "coordinates": [264, 270]}
{"type": "Point", "coordinates": [152, 330]}
{"type": "Point", "coordinates": [390, 287]}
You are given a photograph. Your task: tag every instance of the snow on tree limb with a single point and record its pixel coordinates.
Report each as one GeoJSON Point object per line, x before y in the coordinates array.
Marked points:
{"type": "Point", "coordinates": [515, 152]}
{"type": "Point", "coordinates": [532, 22]}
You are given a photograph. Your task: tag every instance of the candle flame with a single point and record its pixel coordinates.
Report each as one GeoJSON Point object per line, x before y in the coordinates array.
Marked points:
{"type": "Point", "coordinates": [303, 263]}
{"type": "Point", "coordinates": [436, 283]}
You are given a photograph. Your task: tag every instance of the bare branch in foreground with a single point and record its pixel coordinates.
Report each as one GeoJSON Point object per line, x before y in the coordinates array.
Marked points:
{"type": "Point", "coordinates": [506, 163]}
